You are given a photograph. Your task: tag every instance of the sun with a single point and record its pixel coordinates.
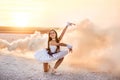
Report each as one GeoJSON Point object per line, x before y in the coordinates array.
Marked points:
{"type": "Point", "coordinates": [20, 19]}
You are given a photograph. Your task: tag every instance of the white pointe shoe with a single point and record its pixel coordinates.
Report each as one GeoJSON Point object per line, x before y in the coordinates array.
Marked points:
{"type": "Point", "coordinates": [55, 73]}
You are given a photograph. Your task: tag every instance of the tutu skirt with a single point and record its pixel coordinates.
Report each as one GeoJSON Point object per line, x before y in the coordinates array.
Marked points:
{"type": "Point", "coordinates": [43, 56]}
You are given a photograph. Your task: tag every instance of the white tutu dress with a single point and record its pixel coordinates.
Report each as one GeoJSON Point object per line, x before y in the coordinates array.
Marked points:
{"type": "Point", "coordinates": [43, 56]}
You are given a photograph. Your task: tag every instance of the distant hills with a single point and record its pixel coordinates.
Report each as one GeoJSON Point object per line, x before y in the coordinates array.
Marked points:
{"type": "Point", "coordinates": [24, 30]}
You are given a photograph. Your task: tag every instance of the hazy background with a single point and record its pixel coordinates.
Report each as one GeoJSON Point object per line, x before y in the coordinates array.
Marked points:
{"type": "Point", "coordinates": [47, 13]}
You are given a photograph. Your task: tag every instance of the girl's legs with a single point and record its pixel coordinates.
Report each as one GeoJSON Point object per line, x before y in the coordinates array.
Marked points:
{"type": "Point", "coordinates": [57, 64]}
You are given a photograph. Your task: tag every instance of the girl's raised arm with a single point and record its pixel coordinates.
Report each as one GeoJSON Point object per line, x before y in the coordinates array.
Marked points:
{"type": "Point", "coordinates": [64, 30]}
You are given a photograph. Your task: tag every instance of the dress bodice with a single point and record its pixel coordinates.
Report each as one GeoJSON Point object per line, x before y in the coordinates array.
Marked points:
{"type": "Point", "coordinates": [53, 48]}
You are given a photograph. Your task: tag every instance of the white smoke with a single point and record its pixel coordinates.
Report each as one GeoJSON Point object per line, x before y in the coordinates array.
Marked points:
{"type": "Point", "coordinates": [3, 44]}
{"type": "Point", "coordinates": [93, 48]}
{"type": "Point", "coordinates": [32, 43]}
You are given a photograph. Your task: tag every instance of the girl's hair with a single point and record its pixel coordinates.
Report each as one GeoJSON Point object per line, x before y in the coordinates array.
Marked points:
{"type": "Point", "coordinates": [56, 39]}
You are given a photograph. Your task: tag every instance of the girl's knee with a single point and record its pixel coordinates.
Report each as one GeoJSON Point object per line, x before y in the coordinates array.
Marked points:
{"type": "Point", "coordinates": [62, 58]}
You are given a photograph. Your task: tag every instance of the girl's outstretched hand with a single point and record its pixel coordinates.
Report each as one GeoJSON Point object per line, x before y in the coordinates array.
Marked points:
{"type": "Point", "coordinates": [69, 47]}
{"type": "Point", "coordinates": [70, 50]}
{"type": "Point", "coordinates": [70, 24]}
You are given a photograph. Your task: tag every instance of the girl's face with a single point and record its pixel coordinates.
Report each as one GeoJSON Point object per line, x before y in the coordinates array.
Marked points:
{"type": "Point", "coordinates": [52, 34]}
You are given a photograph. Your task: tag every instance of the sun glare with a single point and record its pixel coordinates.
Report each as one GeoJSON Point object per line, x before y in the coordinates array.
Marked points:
{"type": "Point", "coordinates": [20, 19]}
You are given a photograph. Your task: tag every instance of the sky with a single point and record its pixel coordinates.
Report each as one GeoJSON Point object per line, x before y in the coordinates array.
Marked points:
{"type": "Point", "coordinates": [56, 13]}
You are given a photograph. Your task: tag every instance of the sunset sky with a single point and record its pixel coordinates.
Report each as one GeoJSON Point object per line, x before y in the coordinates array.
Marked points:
{"type": "Point", "coordinates": [45, 13]}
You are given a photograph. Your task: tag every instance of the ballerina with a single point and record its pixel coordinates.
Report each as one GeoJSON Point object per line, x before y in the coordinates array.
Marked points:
{"type": "Point", "coordinates": [53, 51]}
